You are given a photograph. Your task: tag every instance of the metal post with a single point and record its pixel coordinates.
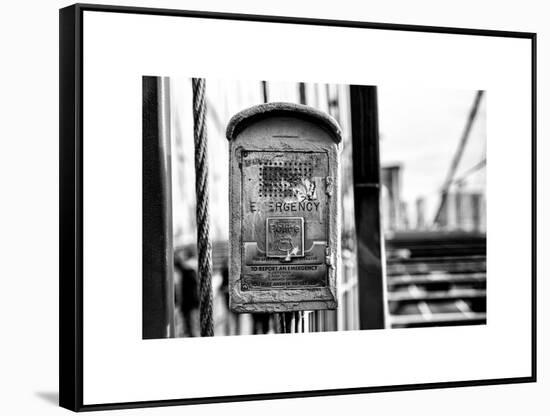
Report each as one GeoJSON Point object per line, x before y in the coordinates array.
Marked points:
{"type": "Point", "coordinates": [366, 177]}
{"type": "Point", "coordinates": [158, 261]}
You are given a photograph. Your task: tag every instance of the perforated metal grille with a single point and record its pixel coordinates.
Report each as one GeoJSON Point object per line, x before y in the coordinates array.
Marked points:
{"type": "Point", "coordinates": [278, 179]}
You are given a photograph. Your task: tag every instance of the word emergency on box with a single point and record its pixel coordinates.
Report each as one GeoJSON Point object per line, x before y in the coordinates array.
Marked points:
{"type": "Point", "coordinates": [284, 209]}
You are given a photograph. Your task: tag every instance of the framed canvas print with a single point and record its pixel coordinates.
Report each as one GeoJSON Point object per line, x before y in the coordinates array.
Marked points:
{"type": "Point", "coordinates": [258, 207]}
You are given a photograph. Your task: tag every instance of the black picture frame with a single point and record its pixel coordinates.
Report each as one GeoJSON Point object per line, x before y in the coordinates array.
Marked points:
{"type": "Point", "coordinates": [71, 205]}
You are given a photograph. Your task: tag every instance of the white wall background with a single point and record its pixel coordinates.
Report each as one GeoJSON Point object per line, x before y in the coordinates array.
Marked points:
{"type": "Point", "coordinates": [29, 210]}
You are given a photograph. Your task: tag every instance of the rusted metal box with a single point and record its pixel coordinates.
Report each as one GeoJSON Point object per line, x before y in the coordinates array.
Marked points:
{"type": "Point", "coordinates": [284, 209]}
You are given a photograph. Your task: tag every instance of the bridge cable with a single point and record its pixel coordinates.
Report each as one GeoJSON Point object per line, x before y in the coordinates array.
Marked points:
{"type": "Point", "coordinates": [204, 244]}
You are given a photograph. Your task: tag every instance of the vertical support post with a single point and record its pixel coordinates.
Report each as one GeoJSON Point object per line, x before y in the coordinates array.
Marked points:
{"type": "Point", "coordinates": [158, 261]}
{"type": "Point", "coordinates": [287, 322]}
{"type": "Point", "coordinates": [204, 245]}
{"type": "Point", "coordinates": [264, 91]}
{"type": "Point", "coordinates": [302, 92]}
{"type": "Point", "coordinates": [366, 178]}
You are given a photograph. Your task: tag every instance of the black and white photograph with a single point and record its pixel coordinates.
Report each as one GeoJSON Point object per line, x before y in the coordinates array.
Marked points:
{"type": "Point", "coordinates": [288, 207]}
{"type": "Point", "coordinates": [295, 207]}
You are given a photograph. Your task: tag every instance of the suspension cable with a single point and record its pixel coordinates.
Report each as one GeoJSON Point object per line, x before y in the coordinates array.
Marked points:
{"type": "Point", "coordinates": [204, 245]}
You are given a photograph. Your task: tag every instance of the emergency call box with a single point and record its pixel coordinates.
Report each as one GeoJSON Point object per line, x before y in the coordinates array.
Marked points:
{"type": "Point", "coordinates": [284, 209]}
